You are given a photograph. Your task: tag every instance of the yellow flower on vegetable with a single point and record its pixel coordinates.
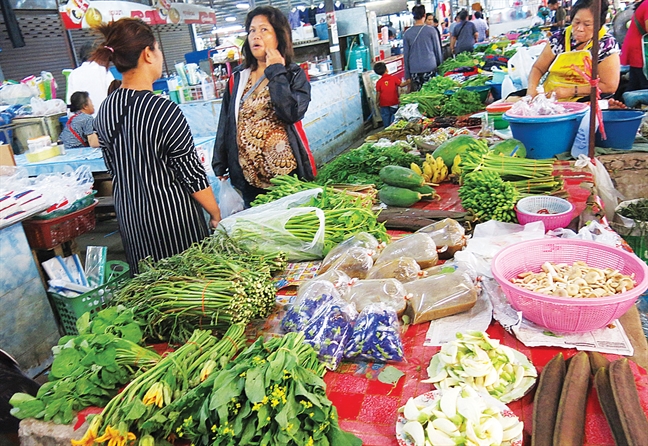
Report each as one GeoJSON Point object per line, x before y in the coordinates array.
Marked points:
{"type": "Point", "coordinates": [207, 369]}
{"type": "Point", "coordinates": [115, 437]}
{"type": "Point", "coordinates": [90, 436]}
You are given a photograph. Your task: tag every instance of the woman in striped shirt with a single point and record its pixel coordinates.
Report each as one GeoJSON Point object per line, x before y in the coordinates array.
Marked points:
{"type": "Point", "coordinates": [159, 182]}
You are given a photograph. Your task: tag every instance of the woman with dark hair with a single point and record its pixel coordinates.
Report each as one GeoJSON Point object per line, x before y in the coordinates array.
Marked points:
{"type": "Point", "coordinates": [159, 181]}
{"type": "Point", "coordinates": [259, 132]}
{"type": "Point", "coordinates": [79, 129]}
{"type": "Point", "coordinates": [464, 35]}
{"type": "Point", "coordinates": [569, 48]}
{"type": "Point", "coordinates": [422, 52]}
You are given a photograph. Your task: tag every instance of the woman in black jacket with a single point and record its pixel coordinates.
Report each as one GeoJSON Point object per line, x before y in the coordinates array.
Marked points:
{"type": "Point", "coordinates": [259, 131]}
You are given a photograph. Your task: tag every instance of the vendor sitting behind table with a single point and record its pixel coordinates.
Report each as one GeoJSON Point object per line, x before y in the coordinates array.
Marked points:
{"type": "Point", "coordinates": [569, 48]}
{"type": "Point", "coordinates": [79, 130]}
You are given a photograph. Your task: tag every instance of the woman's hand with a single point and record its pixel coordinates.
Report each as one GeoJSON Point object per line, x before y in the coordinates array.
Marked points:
{"type": "Point", "coordinates": [273, 56]}
{"type": "Point", "coordinates": [214, 219]}
{"type": "Point", "coordinates": [563, 92]}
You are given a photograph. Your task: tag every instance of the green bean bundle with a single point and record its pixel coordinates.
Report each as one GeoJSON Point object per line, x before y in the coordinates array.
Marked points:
{"type": "Point", "coordinates": [488, 196]}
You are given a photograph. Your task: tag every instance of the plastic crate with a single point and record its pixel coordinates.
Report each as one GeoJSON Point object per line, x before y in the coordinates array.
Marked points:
{"type": "Point", "coordinates": [70, 309]}
{"type": "Point", "coordinates": [46, 234]}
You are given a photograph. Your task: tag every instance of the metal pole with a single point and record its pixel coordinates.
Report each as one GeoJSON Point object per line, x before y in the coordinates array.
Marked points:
{"type": "Point", "coordinates": [596, 10]}
{"type": "Point", "coordinates": [334, 41]}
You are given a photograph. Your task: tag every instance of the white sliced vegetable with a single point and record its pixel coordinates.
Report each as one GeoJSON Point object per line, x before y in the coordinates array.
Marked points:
{"type": "Point", "coordinates": [411, 410]}
{"type": "Point", "coordinates": [446, 426]}
{"type": "Point", "coordinates": [467, 409]}
{"type": "Point", "coordinates": [415, 431]}
{"type": "Point", "coordinates": [438, 438]}
{"type": "Point", "coordinates": [493, 432]}
{"type": "Point", "coordinates": [513, 432]}
{"type": "Point", "coordinates": [448, 402]}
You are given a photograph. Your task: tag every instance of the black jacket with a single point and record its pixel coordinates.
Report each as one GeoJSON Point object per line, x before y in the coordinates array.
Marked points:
{"type": "Point", "coordinates": [290, 96]}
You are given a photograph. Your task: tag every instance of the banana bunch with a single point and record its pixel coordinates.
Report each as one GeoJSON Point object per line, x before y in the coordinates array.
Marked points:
{"type": "Point", "coordinates": [434, 169]}
{"type": "Point", "coordinates": [456, 166]}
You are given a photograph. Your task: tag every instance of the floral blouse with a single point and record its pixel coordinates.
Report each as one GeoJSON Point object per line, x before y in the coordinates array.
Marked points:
{"type": "Point", "coordinates": [607, 45]}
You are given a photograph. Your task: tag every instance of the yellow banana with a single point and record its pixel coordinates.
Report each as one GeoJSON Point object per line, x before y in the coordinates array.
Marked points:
{"type": "Point", "coordinates": [429, 158]}
{"type": "Point", "coordinates": [427, 172]}
{"type": "Point", "coordinates": [444, 173]}
{"type": "Point", "coordinates": [439, 163]}
{"type": "Point", "coordinates": [456, 165]}
{"type": "Point", "coordinates": [415, 167]}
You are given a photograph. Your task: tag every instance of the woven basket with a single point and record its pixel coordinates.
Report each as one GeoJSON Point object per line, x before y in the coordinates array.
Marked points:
{"type": "Point", "coordinates": [554, 212]}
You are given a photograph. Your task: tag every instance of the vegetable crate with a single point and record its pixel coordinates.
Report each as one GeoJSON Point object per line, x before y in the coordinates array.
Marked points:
{"type": "Point", "coordinates": [70, 309]}
{"type": "Point", "coordinates": [46, 234]}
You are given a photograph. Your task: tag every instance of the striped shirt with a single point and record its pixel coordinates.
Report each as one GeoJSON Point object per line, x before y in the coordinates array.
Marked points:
{"type": "Point", "coordinates": [155, 169]}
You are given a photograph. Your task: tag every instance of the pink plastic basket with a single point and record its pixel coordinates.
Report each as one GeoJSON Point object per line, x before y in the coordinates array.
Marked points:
{"type": "Point", "coordinates": [561, 314]}
{"type": "Point", "coordinates": [559, 216]}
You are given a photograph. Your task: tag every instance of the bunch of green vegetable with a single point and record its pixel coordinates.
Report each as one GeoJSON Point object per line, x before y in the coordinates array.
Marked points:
{"type": "Point", "coordinates": [462, 102]}
{"type": "Point", "coordinates": [476, 81]}
{"type": "Point", "coordinates": [272, 393]}
{"type": "Point", "coordinates": [637, 211]}
{"type": "Point", "coordinates": [211, 285]}
{"type": "Point", "coordinates": [143, 409]}
{"type": "Point", "coordinates": [400, 130]}
{"type": "Point", "coordinates": [460, 60]}
{"type": "Point", "coordinates": [488, 196]}
{"type": "Point", "coordinates": [439, 84]}
{"type": "Point", "coordinates": [362, 165]}
{"type": "Point", "coordinates": [88, 368]}
{"type": "Point", "coordinates": [429, 104]}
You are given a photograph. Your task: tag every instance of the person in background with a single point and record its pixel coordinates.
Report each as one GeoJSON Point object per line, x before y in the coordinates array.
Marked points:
{"type": "Point", "coordinates": [445, 30]}
{"type": "Point", "coordinates": [391, 31]}
{"type": "Point", "coordinates": [79, 129]}
{"type": "Point", "coordinates": [569, 48]}
{"type": "Point", "coordinates": [559, 13]}
{"type": "Point", "coordinates": [464, 35]}
{"type": "Point", "coordinates": [90, 76]}
{"type": "Point", "coordinates": [481, 25]}
{"type": "Point", "coordinates": [259, 131]}
{"type": "Point", "coordinates": [114, 85]}
{"type": "Point", "coordinates": [454, 24]}
{"type": "Point", "coordinates": [631, 52]}
{"type": "Point", "coordinates": [387, 93]}
{"type": "Point", "coordinates": [160, 185]}
{"type": "Point", "coordinates": [422, 52]}
{"type": "Point", "coordinates": [432, 21]}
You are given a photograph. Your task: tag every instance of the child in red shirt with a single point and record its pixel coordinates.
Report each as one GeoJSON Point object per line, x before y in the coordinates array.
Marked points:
{"type": "Point", "coordinates": [387, 93]}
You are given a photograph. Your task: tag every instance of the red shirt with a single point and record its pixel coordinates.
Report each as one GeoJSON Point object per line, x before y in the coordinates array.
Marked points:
{"type": "Point", "coordinates": [631, 53]}
{"type": "Point", "coordinates": [387, 86]}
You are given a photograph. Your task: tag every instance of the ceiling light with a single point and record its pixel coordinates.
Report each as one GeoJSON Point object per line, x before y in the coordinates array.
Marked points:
{"type": "Point", "coordinates": [230, 19]}
{"type": "Point", "coordinates": [243, 6]}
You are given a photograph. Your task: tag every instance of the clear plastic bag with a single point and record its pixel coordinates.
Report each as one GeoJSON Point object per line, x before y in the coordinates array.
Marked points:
{"type": "Point", "coordinates": [448, 235]}
{"type": "Point", "coordinates": [418, 246]}
{"type": "Point", "coordinates": [329, 329]}
{"type": "Point", "coordinates": [355, 263]}
{"type": "Point", "coordinates": [403, 269]}
{"type": "Point", "coordinates": [376, 335]}
{"type": "Point", "coordinates": [441, 295]}
{"type": "Point", "coordinates": [310, 297]}
{"type": "Point", "coordinates": [360, 240]}
{"type": "Point", "coordinates": [604, 186]}
{"type": "Point", "coordinates": [339, 279]}
{"type": "Point", "coordinates": [389, 292]}
{"type": "Point", "coordinates": [263, 228]}
{"type": "Point", "coordinates": [229, 200]}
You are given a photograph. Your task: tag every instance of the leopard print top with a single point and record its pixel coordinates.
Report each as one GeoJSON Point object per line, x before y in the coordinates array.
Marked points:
{"type": "Point", "coordinates": [264, 148]}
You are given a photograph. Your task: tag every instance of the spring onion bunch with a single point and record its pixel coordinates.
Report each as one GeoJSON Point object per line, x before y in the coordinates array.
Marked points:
{"type": "Point", "coordinates": [211, 285]}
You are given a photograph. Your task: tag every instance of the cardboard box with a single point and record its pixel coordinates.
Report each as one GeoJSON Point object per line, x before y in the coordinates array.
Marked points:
{"type": "Point", "coordinates": [6, 155]}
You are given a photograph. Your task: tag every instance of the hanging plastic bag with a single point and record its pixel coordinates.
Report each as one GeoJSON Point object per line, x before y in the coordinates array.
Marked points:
{"type": "Point", "coordinates": [263, 228]}
{"type": "Point", "coordinates": [604, 187]}
{"type": "Point", "coordinates": [229, 200]}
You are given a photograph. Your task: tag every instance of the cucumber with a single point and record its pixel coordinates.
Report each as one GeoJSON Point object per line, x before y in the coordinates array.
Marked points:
{"type": "Point", "coordinates": [423, 190]}
{"type": "Point", "coordinates": [398, 196]}
{"type": "Point", "coordinates": [401, 177]}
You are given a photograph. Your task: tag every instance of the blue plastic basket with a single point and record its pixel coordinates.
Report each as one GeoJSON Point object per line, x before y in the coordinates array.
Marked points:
{"type": "Point", "coordinates": [546, 136]}
{"type": "Point", "coordinates": [620, 128]}
{"type": "Point", "coordinates": [496, 90]}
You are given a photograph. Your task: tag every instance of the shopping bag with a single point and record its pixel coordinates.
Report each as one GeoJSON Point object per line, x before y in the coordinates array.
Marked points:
{"type": "Point", "coordinates": [229, 200]}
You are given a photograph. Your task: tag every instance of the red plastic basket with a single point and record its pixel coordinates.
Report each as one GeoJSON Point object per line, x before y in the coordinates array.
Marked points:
{"type": "Point", "coordinates": [46, 234]}
{"type": "Point", "coordinates": [561, 314]}
{"type": "Point", "coordinates": [559, 211]}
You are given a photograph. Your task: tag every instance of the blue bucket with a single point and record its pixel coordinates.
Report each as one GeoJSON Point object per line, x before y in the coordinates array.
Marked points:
{"type": "Point", "coordinates": [496, 90]}
{"type": "Point", "coordinates": [545, 136]}
{"type": "Point", "coordinates": [620, 128]}
{"type": "Point", "coordinates": [321, 31]}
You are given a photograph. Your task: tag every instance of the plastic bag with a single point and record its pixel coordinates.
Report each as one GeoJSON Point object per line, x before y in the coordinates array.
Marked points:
{"type": "Point", "coordinates": [12, 94]}
{"type": "Point", "coordinates": [229, 200]}
{"type": "Point", "coordinates": [39, 107]}
{"type": "Point", "coordinates": [389, 292]}
{"type": "Point", "coordinates": [310, 297]}
{"type": "Point", "coordinates": [339, 279]}
{"type": "Point", "coordinates": [355, 263]}
{"type": "Point", "coordinates": [603, 183]}
{"type": "Point", "coordinates": [403, 269]}
{"type": "Point", "coordinates": [376, 335]}
{"type": "Point", "coordinates": [438, 296]}
{"type": "Point", "coordinates": [263, 228]}
{"type": "Point", "coordinates": [520, 64]}
{"type": "Point", "coordinates": [418, 246]}
{"type": "Point", "coordinates": [448, 236]}
{"type": "Point", "coordinates": [329, 329]}
{"type": "Point", "coordinates": [593, 231]}
{"type": "Point", "coordinates": [360, 240]}
{"type": "Point", "coordinates": [408, 112]}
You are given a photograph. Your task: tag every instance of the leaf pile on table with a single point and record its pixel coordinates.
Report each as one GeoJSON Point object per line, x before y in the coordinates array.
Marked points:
{"type": "Point", "coordinates": [271, 392]}
{"type": "Point", "coordinates": [211, 285]}
{"type": "Point", "coordinates": [89, 368]}
{"type": "Point", "coordinates": [362, 165]}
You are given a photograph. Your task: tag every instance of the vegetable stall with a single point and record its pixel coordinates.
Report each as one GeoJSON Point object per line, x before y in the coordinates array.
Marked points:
{"type": "Point", "coordinates": [434, 286]}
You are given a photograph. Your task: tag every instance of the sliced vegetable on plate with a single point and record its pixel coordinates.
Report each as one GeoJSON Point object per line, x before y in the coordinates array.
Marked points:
{"type": "Point", "coordinates": [458, 415]}
{"type": "Point", "coordinates": [482, 363]}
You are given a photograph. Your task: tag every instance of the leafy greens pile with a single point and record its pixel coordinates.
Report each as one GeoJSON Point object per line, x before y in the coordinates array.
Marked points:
{"type": "Point", "coordinates": [362, 165]}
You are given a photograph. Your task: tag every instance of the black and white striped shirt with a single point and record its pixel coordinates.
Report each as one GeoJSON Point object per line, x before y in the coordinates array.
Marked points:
{"type": "Point", "coordinates": [155, 169]}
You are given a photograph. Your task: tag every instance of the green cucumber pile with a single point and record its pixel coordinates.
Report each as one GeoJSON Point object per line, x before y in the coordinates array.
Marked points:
{"type": "Point", "coordinates": [403, 187]}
